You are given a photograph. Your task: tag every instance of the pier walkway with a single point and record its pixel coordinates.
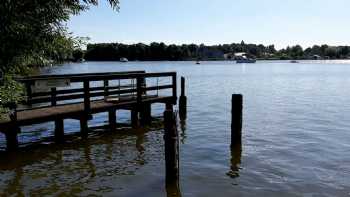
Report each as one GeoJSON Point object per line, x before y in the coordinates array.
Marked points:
{"type": "Point", "coordinates": [79, 96]}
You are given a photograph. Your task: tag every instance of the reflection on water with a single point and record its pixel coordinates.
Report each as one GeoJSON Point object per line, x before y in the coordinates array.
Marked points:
{"type": "Point", "coordinates": [92, 166]}
{"type": "Point", "coordinates": [295, 140]}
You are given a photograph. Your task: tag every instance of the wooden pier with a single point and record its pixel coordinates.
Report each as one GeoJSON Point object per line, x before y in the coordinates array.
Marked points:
{"type": "Point", "coordinates": [79, 96]}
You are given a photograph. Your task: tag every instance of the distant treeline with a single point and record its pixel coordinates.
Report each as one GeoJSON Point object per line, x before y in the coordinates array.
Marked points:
{"type": "Point", "coordinates": [160, 51]}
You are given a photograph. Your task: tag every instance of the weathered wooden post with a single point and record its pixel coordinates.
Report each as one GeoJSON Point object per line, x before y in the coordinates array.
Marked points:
{"type": "Point", "coordinates": [171, 145]}
{"type": "Point", "coordinates": [105, 88]}
{"type": "Point", "coordinates": [135, 117]}
{"type": "Point", "coordinates": [59, 130]}
{"type": "Point", "coordinates": [236, 122]}
{"type": "Point", "coordinates": [87, 97]}
{"type": "Point", "coordinates": [53, 96]}
{"type": "Point", "coordinates": [84, 129]}
{"type": "Point", "coordinates": [12, 134]}
{"type": "Point", "coordinates": [236, 157]}
{"type": "Point", "coordinates": [183, 101]}
{"type": "Point", "coordinates": [112, 116]}
{"type": "Point", "coordinates": [146, 117]}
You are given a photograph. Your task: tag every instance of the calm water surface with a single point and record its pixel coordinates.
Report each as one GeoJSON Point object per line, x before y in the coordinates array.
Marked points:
{"type": "Point", "coordinates": [296, 139]}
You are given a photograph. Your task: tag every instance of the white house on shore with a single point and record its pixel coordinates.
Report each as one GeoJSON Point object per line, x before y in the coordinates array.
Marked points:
{"type": "Point", "coordinates": [238, 55]}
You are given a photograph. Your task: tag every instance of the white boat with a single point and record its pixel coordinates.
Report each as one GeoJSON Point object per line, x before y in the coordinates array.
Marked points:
{"type": "Point", "coordinates": [242, 59]}
{"type": "Point", "coordinates": [123, 59]}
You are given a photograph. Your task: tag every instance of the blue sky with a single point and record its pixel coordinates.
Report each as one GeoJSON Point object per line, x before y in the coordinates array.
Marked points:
{"type": "Point", "coordinates": [279, 22]}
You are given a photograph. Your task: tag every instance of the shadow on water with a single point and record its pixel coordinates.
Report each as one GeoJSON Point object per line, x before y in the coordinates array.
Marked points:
{"type": "Point", "coordinates": [92, 165]}
{"type": "Point", "coordinates": [236, 157]}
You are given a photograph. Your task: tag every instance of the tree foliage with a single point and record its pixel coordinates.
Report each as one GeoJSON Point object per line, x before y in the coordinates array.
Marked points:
{"type": "Point", "coordinates": [161, 51]}
{"type": "Point", "coordinates": [32, 32]}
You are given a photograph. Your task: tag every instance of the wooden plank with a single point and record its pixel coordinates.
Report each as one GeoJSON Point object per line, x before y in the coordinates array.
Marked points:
{"type": "Point", "coordinates": [80, 90]}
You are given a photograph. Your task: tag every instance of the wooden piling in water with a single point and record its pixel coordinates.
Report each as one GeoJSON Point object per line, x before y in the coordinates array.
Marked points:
{"type": "Point", "coordinates": [171, 146]}
{"type": "Point", "coordinates": [59, 130]}
{"type": "Point", "coordinates": [112, 116]}
{"type": "Point", "coordinates": [84, 129]}
{"type": "Point", "coordinates": [12, 134]}
{"type": "Point", "coordinates": [145, 114]}
{"type": "Point", "coordinates": [236, 122]}
{"type": "Point", "coordinates": [183, 101]}
{"type": "Point", "coordinates": [11, 140]}
{"type": "Point", "coordinates": [135, 117]}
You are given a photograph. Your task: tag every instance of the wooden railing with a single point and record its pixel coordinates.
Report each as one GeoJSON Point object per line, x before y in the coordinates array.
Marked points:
{"type": "Point", "coordinates": [86, 93]}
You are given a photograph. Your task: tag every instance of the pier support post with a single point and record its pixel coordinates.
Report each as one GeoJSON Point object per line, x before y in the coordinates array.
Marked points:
{"type": "Point", "coordinates": [12, 134]}
{"type": "Point", "coordinates": [171, 146]}
{"type": "Point", "coordinates": [11, 140]}
{"type": "Point", "coordinates": [134, 118]}
{"type": "Point", "coordinates": [146, 113]}
{"type": "Point", "coordinates": [236, 122]}
{"type": "Point", "coordinates": [59, 130]}
{"type": "Point", "coordinates": [84, 129]}
{"type": "Point", "coordinates": [183, 101]}
{"type": "Point", "coordinates": [112, 116]}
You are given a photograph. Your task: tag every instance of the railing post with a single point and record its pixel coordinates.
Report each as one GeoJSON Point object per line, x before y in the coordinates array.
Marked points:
{"type": "Point", "coordinates": [87, 96]}
{"type": "Point", "coordinates": [236, 122]}
{"type": "Point", "coordinates": [12, 134]}
{"type": "Point", "coordinates": [183, 101]}
{"type": "Point", "coordinates": [29, 93]}
{"type": "Point", "coordinates": [174, 87]}
{"type": "Point", "coordinates": [139, 89]}
{"type": "Point", "coordinates": [53, 97]}
{"type": "Point", "coordinates": [105, 86]}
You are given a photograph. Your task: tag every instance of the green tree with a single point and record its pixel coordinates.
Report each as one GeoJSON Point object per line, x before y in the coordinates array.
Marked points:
{"type": "Point", "coordinates": [32, 32]}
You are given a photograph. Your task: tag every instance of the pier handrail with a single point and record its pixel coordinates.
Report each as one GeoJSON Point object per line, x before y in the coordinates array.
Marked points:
{"type": "Point", "coordinates": [87, 92]}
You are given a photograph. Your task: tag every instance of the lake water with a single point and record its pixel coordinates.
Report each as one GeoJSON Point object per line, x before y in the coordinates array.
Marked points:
{"type": "Point", "coordinates": [296, 139]}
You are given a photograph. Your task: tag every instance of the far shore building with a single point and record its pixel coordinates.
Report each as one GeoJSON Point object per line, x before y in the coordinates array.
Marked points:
{"type": "Point", "coordinates": [230, 56]}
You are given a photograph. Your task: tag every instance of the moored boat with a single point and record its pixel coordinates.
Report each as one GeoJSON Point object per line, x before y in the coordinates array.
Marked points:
{"type": "Point", "coordinates": [123, 59]}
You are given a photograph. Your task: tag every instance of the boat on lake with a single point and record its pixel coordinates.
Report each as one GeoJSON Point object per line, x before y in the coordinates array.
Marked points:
{"type": "Point", "coordinates": [241, 58]}
{"type": "Point", "coordinates": [294, 61]}
{"type": "Point", "coordinates": [123, 59]}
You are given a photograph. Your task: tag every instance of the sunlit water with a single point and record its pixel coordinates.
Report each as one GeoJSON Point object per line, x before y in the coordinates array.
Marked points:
{"type": "Point", "coordinates": [296, 139]}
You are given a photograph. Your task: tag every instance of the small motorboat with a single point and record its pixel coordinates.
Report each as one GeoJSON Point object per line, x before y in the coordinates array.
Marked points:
{"type": "Point", "coordinates": [198, 62]}
{"type": "Point", "coordinates": [294, 61]}
{"type": "Point", "coordinates": [245, 60]}
{"type": "Point", "coordinates": [123, 59]}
